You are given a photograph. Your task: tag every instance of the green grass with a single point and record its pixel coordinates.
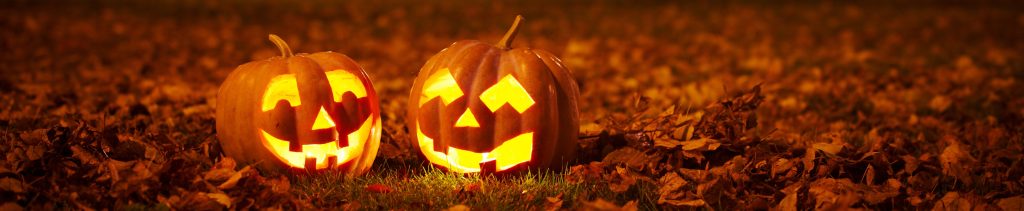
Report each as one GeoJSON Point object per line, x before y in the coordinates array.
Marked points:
{"type": "Point", "coordinates": [423, 186]}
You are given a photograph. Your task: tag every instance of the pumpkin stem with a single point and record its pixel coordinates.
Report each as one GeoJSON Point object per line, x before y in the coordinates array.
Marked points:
{"type": "Point", "coordinates": [506, 42]}
{"type": "Point", "coordinates": [281, 45]}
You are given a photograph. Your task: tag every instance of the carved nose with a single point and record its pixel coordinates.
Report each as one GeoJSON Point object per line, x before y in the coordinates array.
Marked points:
{"type": "Point", "coordinates": [323, 120]}
{"type": "Point", "coordinates": [467, 120]}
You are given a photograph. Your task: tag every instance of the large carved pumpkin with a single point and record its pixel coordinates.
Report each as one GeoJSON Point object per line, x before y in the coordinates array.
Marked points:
{"type": "Point", "coordinates": [481, 107]}
{"type": "Point", "coordinates": [306, 112]}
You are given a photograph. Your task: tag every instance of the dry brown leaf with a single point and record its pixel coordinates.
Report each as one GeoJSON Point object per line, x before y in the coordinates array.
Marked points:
{"type": "Point", "coordinates": [587, 172]}
{"type": "Point", "coordinates": [602, 205]}
{"type": "Point", "coordinates": [85, 156]}
{"type": "Point", "coordinates": [666, 143]}
{"type": "Point", "coordinates": [12, 185]}
{"type": "Point", "coordinates": [828, 147]}
{"type": "Point", "coordinates": [629, 156]}
{"type": "Point", "coordinates": [221, 198]}
{"type": "Point", "coordinates": [279, 185]}
{"type": "Point", "coordinates": [940, 103]}
{"type": "Point", "coordinates": [11, 206]}
{"type": "Point", "coordinates": [553, 203]}
{"type": "Point", "coordinates": [231, 182]}
{"type": "Point", "coordinates": [782, 165]}
{"type": "Point", "coordinates": [787, 203]}
{"type": "Point", "coordinates": [669, 183]}
{"type": "Point", "coordinates": [684, 202]}
{"type": "Point", "coordinates": [1011, 203]}
{"type": "Point", "coordinates": [808, 161]}
{"type": "Point", "coordinates": [956, 162]}
{"type": "Point", "coordinates": [460, 207]}
{"type": "Point", "coordinates": [879, 194]}
{"type": "Point", "coordinates": [621, 180]}
{"type": "Point", "coordinates": [952, 201]}
{"type": "Point", "coordinates": [222, 171]}
{"type": "Point", "coordinates": [378, 188]}
{"type": "Point", "coordinates": [831, 194]}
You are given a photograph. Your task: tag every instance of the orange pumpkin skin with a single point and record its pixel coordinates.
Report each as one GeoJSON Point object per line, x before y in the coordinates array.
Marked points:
{"type": "Point", "coordinates": [303, 112]}
{"type": "Point", "coordinates": [479, 107]}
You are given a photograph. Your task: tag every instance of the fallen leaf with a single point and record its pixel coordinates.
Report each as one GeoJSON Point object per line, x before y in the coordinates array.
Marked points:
{"type": "Point", "coordinates": [223, 170]}
{"type": "Point", "coordinates": [685, 202]}
{"type": "Point", "coordinates": [808, 161]}
{"type": "Point", "coordinates": [669, 183]}
{"type": "Point", "coordinates": [12, 185]}
{"type": "Point", "coordinates": [952, 201]}
{"type": "Point", "coordinates": [666, 143]}
{"type": "Point", "coordinates": [460, 207]}
{"type": "Point", "coordinates": [955, 161]}
{"type": "Point", "coordinates": [621, 180]}
{"type": "Point", "coordinates": [553, 203]}
{"type": "Point", "coordinates": [378, 188]}
{"type": "Point", "coordinates": [940, 103]}
{"type": "Point", "coordinates": [828, 148]}
{"type": "Point", "coordinates": [1011, 203]}
{"type": "Point", "coordinates": [781, 165]}
{"type": "Point", "coordinates": [231, 182]}
{"type": "Point", "coordinates": [700, 144]}
{"type": "Point", "coordinates": [831, 194]}
{"type": "Point", "coordinates": [221, 198]}
{"type": "Point", "coordinates": [602, 205]}
{"type": "Point", "coordinates": [788, 203]}
{"type": "Point", "coordinates": [629, 156]}
{"type": "Point", "coordinates": [85, 156]}
{"type": "Point", "coordinates": [11, 206]}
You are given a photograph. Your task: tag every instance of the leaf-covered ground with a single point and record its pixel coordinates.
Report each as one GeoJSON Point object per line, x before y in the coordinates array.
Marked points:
{"type": "Point", "coordinates": [726, 105]}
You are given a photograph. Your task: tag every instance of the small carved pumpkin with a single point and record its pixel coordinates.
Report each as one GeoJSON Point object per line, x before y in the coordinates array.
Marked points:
{"type": "Point", "coordinates": [480, 107]}
{"type": "Point", "coordinates": [302, 112]}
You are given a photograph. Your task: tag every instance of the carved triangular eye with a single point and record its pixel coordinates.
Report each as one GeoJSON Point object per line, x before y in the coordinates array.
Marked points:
{"type": "Point", "coordinates": [441, 83]}
{"type": "Point", "coordinates": [467, 120]}
{"type": "Point", "coordinates": [507, 90]}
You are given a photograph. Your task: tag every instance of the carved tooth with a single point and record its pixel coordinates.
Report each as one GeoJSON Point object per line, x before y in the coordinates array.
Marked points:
{"type": "Point", "coordinates": [310, 163]}
{"type": "Point", "coordinates": [332, 160]}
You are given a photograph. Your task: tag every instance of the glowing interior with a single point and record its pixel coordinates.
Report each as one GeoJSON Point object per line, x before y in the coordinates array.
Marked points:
{"type": "Point", "coordinates": [282, 87]}
{"type": "Point", "coordinates": [512, 152]}
{"type": "Point", "coordinates": [323, 120]}
{"type": "Point", "coordinates": [285, 87]}
{"type": "Point", "coordinates": [320, 151]}
{"type": "Point", "coordinates": [441, 83]}
{"type": "Point", "coordinates": [342, 81]}
{"type": "Point", "coordinates": [507, 90]}
{"type": "Point", "coordinates": [467, 120]}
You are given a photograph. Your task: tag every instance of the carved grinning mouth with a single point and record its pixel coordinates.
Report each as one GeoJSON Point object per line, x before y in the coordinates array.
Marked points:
{"type": "Point", "coordinates": [326, 154]}
{"type": "Point", "coordinates": [510, 153]}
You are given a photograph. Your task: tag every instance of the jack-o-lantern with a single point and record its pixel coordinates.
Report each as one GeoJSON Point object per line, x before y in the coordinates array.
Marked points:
{"type": "Point", "coordinates": [301, 112]}
{"type": "Point", "coordinates": [477, 107]}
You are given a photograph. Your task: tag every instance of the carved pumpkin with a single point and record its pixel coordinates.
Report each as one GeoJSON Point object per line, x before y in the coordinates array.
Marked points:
{"type": "Point", "coordinates": [302, 112]}
{"type": "Point", "coordinates": [480, 107]}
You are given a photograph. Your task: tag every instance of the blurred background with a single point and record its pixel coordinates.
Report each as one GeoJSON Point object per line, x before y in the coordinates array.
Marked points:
{"type": "Point", "coordinates": [924, 74]}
